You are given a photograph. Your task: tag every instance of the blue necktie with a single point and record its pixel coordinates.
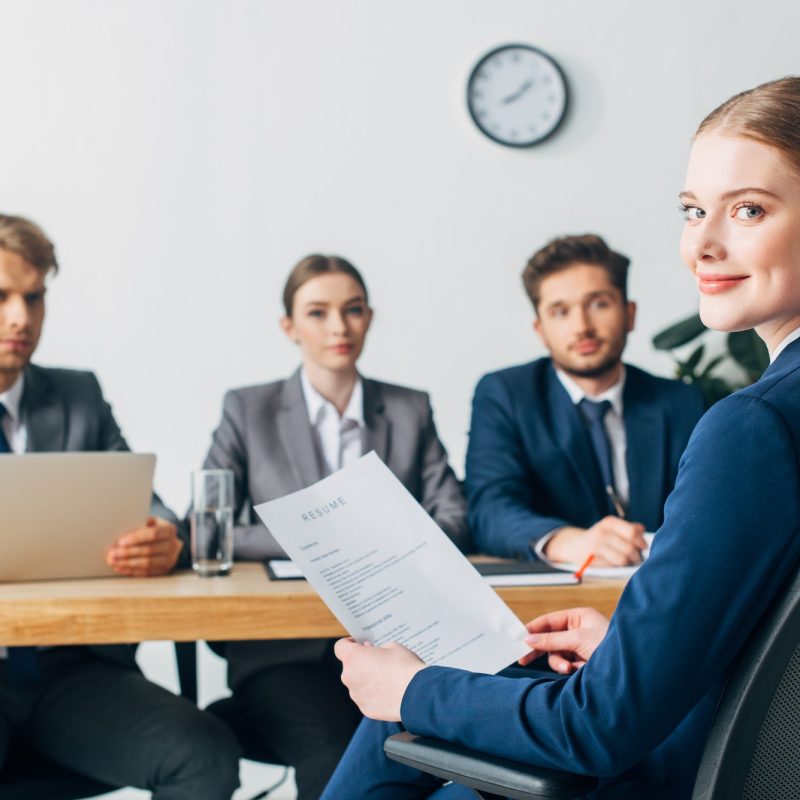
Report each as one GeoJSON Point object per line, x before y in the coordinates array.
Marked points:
{"type": "Point", "coordinates": [5, 447]}
{"type": "Point", "coordinates": [22, 666]}
{"type": "Point", "coordinates": [594, 414]}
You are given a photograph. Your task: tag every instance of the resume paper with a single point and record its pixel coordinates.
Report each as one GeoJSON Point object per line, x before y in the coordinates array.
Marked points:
{"type": "Point", "coordinates": [388, 572]}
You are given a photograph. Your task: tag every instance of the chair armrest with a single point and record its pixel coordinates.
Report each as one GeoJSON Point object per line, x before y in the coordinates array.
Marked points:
{"type": "Point", "coordinates": [499, 776]}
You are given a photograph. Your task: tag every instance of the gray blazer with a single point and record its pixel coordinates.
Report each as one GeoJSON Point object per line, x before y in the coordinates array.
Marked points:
{"type": "Point", "coordinates": [266, 439]}
{"type": "Point", "coordinates": [64, 410]}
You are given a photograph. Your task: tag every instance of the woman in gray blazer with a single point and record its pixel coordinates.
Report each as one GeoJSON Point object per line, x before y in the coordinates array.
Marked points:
{"type": "Point", "coordinates": [283, 436]}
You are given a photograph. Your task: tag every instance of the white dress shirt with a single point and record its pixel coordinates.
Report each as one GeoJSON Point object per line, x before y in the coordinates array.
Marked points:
{"type": "Point", "coordinates": [339, 439]}
{"type": "Point", "coordinates": [615, 429]}
{"type": "Point", "coordinates": [795, 334]}
{"type": "Point", "coordinates": [13, 427]}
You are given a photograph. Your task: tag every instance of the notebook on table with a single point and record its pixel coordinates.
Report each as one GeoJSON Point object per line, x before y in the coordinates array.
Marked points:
{"type": "Point", "coordinates": [505, 573]}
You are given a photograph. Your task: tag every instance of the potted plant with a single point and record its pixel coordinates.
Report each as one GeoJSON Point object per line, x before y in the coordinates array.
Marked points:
{"type": "Point", "coordinates": [744, 348]}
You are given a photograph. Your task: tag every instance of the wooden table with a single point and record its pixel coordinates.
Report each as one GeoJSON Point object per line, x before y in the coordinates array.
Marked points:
{"type": "Point", "coordinates": [242, 605]}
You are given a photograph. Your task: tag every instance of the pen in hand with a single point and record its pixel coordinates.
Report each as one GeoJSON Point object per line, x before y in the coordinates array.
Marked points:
{"type": "Point", "coordinates": [620, 509]}
{"type": "Point", "coordinates": [616, 502]}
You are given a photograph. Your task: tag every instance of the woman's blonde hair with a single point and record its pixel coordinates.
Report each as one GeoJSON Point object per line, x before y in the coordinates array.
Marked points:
{"type": "Point", "coordinates": [769, 113]}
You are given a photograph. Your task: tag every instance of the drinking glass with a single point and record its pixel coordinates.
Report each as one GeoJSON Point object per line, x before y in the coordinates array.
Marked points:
{"type": "Point", "coordinates": [212, 521]}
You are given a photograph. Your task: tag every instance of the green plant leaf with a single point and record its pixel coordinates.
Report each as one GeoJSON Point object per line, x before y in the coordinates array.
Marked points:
{"type": "Point", "coordinates": [749, 352]}
{"type": "Point", "coordinates": [679, 334]}
{"type": "Point", "coordinates": [708, 369]}
{"type": "Point", "coordinates": [694, 359]}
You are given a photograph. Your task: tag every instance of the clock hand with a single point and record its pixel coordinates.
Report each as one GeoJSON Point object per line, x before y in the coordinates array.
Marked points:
{"type": "Point", "coordinates": [521, 91]}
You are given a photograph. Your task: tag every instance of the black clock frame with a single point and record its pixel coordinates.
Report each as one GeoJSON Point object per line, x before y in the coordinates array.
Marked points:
{"type": "Point", "coordinates": [548, 57]}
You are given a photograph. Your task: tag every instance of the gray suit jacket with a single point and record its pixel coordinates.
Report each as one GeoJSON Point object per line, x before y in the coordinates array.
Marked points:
{"type": "Point", "coordinates": [64, 410]}
{"type": "Point", "coordinates": [266, 439]}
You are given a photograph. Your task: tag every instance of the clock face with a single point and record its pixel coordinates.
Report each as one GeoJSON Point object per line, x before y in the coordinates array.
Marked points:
{"type": "Point", "coordinates": [517, 95]}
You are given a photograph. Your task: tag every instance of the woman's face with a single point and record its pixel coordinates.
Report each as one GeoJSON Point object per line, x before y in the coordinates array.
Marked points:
{"type": "Point", "coordinates": [742, 235]}
{"type": "Point", "coordinates": [330, 319]}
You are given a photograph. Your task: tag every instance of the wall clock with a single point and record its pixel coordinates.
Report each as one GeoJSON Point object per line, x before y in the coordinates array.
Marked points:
{"type": "Point", "coordinates": [517, 95]}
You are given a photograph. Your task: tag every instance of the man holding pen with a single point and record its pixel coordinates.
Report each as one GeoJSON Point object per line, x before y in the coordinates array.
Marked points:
{"type": "Point", "coordinates": [573, 455]}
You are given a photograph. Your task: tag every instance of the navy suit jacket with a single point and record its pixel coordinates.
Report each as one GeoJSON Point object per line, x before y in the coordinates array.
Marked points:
{"type": "Point", "coordinates": [531, 467]}
{"type": "Point", "coordinates": [643, 703]}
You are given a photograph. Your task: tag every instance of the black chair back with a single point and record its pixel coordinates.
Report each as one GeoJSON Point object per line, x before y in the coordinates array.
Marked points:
{"type": "Point", "coordinates": [753, 750]}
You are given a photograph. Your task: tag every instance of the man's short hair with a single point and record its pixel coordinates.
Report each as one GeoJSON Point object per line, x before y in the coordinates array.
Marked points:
{"type": "Point", "coordinates": [26, 239]}
{"type": "Point", "coordinates": [566, 251]}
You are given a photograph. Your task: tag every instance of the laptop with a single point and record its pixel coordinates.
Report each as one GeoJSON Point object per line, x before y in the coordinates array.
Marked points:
{"type": "Point", "coordinates": [61, 512]}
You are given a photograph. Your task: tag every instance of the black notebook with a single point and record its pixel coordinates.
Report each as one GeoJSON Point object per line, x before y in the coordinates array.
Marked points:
{"type": "Point", "coordinates": [506, 573]}
{"type": "Point", "coordinates": [525, 573]}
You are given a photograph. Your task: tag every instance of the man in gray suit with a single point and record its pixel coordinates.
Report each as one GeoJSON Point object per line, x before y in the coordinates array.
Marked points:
{"type": "Point", "coordinates": [89, 708]}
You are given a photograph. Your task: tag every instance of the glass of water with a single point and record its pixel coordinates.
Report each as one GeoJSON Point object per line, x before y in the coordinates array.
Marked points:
{"type": "Point", "coordinates": [212, 521]}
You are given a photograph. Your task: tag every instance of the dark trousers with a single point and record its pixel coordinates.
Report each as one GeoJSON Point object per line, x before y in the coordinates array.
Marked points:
{"type": "Point", "coordinates": [304, 717]}
{"type": "Point", "coordinates": [366, 772]}
{"type": "Point", "coordinates": [109, 722]}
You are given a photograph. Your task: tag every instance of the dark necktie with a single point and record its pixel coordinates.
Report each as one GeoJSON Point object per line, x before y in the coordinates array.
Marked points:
{"type": "Point", "coordinates": [5, 447]}
{"type": "Point", "coordinates": [22, 666]}
{"type": "Point", "coordinates": [594, 414]}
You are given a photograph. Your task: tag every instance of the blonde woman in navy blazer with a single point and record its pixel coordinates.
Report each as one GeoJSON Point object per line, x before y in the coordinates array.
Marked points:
{"type": "Point", "coordinates": [638, 710]}
{"type": "Point", "coordinates": [283, 436]}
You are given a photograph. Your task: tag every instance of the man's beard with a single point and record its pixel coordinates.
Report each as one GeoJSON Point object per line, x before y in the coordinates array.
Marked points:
{"type": "Point", "coordinates": [607, 365]}
{"type": "Point", "coordinates": [601, 369]}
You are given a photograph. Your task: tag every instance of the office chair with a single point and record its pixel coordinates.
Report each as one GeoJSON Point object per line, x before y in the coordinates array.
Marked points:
{"type": "Point", "coordinates": [27, 775]}
{"type": "Point", "coordinates": [751, 752]}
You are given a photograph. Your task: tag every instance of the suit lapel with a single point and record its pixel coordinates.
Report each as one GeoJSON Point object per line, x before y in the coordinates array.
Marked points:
{"type": "Point", "coordinates": [644, 431]}
{"type": "Point", "coordinates": [43, 413]}
{"type": "Point", "coordinates": [377, 435]}
{"type": "Point", "coordinates": [570, 434]}
{"type": "Point", "coordinates": [296, 435]}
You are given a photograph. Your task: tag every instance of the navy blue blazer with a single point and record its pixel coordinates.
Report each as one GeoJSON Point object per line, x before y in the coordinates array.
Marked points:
{"type": "Point", "coordinates": [531, 467]}
{"type": "Point", "coordinates": [643, 703]}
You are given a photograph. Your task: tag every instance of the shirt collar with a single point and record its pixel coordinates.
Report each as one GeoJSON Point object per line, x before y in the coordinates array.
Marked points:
{"type": "Point", "coordinates": [12, 397]}
{"type": "Point", "coordinates": [316, 404]}
{"type": "Point", "coordinates": [613, 394]}
{"type": "Point", "coordinates": [795, 334]}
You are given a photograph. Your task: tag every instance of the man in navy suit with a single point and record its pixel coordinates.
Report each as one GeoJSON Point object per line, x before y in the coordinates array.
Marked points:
{"type": "Point", "coordinates": [576, 453]}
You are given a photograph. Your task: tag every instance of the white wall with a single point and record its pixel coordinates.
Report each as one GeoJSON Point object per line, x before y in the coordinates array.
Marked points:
{"type": "Point", "coordinates": [185, 154]}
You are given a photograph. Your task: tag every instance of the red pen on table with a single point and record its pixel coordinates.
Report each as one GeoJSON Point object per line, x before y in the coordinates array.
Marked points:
{"type": "Point", "coordinates": [583, 567]}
